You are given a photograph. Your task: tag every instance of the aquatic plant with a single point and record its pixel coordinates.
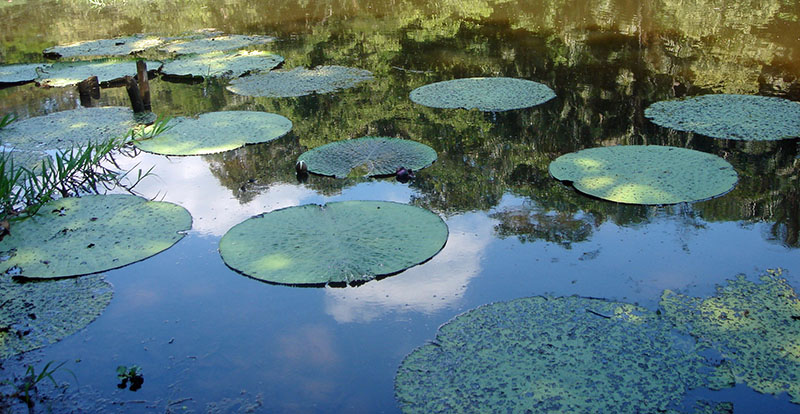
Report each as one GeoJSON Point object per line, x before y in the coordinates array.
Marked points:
{"type": "Point", "coordinates": [118, 46]}
{"type": "Point", "coordinates": [220, 64]}
{"type": "Point", "coordinates": [484, 94]}
{"type": "Point", "coordinates": [299, 81]}
{"type": "Point", "coordinates": [367, 156]}
{"type": "Point", "coordinates": [21, 73]}
{"type": "Point", "coordinates": [213, 44]}
{"type": "Point", "coordinates": [107, 71]}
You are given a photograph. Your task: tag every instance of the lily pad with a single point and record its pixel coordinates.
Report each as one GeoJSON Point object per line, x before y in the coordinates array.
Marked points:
{"type": "Point", "coordinates": [22, 73]}
{"type": "Point", "coordinates": [90, 234]}
{"type": "Point", "coordinates": [107, 71]}
{"type": "Point", "coordinates": [754, 326]}
{"type": "Point", "coordinates": [216, 43]}
{"type": "Point", "coordinates": [26, 159]}
{"type": "Point", "coordinates": [483, 94]}
{"type": "Point", "coordinates": [36, 314]}
{"type": "Point", "coordinates": [67, 129]}
{"type": "Point", "coordinates": [646, 174]}
{"type": "Point", "coordinates": [217, 132]}
{"type": "Point", "coordinates": [299, 81]}
{"type": "Point", "coordinates": [118, 46]}
{"type": "Point", "coordinates": [338, 243]}
{"type": "Point", "coordinates": [541, 355]}
{"type": "Point", "coordinates": [219, 64]}
{"type": "Point", "coordinates": [368, 155]}
{"type": "Point", "coordinates": [740, 117]}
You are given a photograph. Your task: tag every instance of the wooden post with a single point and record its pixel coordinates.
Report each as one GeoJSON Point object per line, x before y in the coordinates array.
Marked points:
{"type": "Point", "coordinates": [144, 84]}
{"type": "Point", "coordinates": [133, 95]}
{"type": "Point", "coordinates": [87, 89]}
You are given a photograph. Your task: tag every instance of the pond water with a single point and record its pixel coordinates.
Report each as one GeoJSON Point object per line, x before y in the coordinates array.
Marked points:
{"type": "Point", "coordinates": [211, 340]}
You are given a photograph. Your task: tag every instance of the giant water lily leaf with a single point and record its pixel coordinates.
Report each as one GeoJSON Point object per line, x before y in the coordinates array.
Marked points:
{"type": "Point", "coordinates": [299, 81]}
{"type": "Point", "coordinates": [216, 43]}
{"type": "Point", "coordinates": [217, 132]}
{"type": "Point", "coordinates": [24, 159]}
{"type": "Point", "coordinates": [646, 174]}
{"type": "Point", "coordinates": [484, 94]}
{"type": "Point", "coordinates": [118, 46]}
{"type": "Point", "coordinates": [67, 129]}
{"type": "Point", "coordinates": [754, 326]}
{"type": "Point", "coordinates": [90, 234]}
{"type": "Point", "coordinates": [35, 314]}
{"type": "Point", "coordinates": [341, 242]}
{"type": "Point", "coordinates": [107, 71]}
{"type": "Point", "coordinates": [219, 64]}
{"type": "Point", "coordinates": [21, 73]}
{"type": "Point", "coordinates": [368, 155]}
{"type": "Point", "coordinates": [740, 117]}
{"type": "Point", "coordinates": [541, 355]}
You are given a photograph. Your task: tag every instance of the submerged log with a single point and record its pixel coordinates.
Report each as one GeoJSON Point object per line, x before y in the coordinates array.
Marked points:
{"type": "Point", "coordinates": [144, 84]}
{"type": "Point", "coordinates": [134, 95]}
{"type": "Point", "coordinates": [87, 89]}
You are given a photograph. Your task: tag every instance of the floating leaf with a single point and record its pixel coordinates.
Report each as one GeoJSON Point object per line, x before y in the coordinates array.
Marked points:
{"type": "Point", "coordinates": [646, 174]}
{"type": "Point", "coordinates": [374, 155]}
{"type": "Point", "coordinates": [341, 242]}
{"type": "Point", "coordinates": [484, 94]}
{"type": "Point", "coordinates": [216, 43]}
{"type": "Point", "coordinates": [741, 117]}
{"type": "Point", "coordinates": [20, 73]}
{"type": "Point", "coordinates": [754, 326]}
{"type": "Point", "coordinates": [26, 159]}
{"type": "Point", "coordinates": [78, 236]}
{"type": "Point", "coordinates": [118, 46]}
{"type": "Point", "coordinates": [217, 132]}
{"type": "Point", "coordinates": [541, 355]}
{"type": "Point", "coordinates": [67, 129]}
{"type": "Point", "coordinates": [219, 64]}
{"type": "Point", "coordinates": [299, 81]}
{"type": "Point", "coordinates": [35, 314]}
{"type": "Point", "coordinates": [107, 71]}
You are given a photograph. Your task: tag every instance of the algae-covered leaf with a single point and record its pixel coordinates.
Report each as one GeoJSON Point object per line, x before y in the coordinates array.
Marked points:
{"type": "Point", "coordinates": [90, 234]}
{"type": "Point", "coordinates": [35, 314]}
{"type": "Point", "coordinates": [646, 174]}
{"type": "Point", "coordinates": [754, 326]}
{"type": "Point", "coordinates": [67, 129]}
{"type": "Point", "coordinates": [728, 116]}
{"type": "Point", "coordinates": [219, 64]}
{"type": "Point", "coordinates": [299, 81]}
{"type": "Point", "coordinates": [542, 355]}
{"type": "Point", "coordinates": [107, 71]}
{"type": "Point", "coordinates": [340, 242]}
{"type": "Point", "coordinates": [213, 44]}
{"type": "Point", "coordinates": [118, 46]}
{"type": "Point", "coordinates": [217, 132]}
{"type": "Point", "coordinates": [380, 156]}
{"type": "Point", "coordinates": [21, 73]}
{"type": "Point", "coordinates": [483, 94]}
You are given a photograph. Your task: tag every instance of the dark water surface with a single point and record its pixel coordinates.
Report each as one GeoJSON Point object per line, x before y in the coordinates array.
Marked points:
{"type": "Point", "coordinates": [210, 339]}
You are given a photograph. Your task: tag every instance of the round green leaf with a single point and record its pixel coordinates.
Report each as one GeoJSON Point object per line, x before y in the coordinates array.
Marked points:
{"type": "Point", "coordinates": [20, 73]}
{"type": "Point", "coordinates": [67, 129]}
{"type": "Point", "coordinates": [741, 117]}
{"type": "Point", "coordinates": [90, 234]}
{"type": "Point", "coordinates": [341, 242]}
{"type": "Point", "coordinates": [484, 94]}
{"type": "Point", "coordinates": [217, 132]}
{"type": "Point", "coordinates": [107, 70]}
{"type": "Point", "coordinates": [218, 64]}
{"type": "Point", "coordinates": [118, 46]}
{"type": "Point", "coordinates": [646, 174]}
{"type": "Point", "coordinates": [299, 81]}
{"type": "Point", "coordinates": [216, 43]}
{"type": "Point", "coordinates": [542, 355]}
{"type": "Point", "coordinates": [369, 156]}
{"type": "Point", "coordinates": [35, 314]}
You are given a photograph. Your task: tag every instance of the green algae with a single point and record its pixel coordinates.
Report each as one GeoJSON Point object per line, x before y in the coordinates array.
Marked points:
{"type": "Point", "coordinates": [373, 155]}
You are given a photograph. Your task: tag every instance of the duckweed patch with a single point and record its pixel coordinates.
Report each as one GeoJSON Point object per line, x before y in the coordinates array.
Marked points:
{"type": "Point", "coordinates": [217, 132]}
{"type": "Point", "coordinates": [35, 314]}
{"type": "Point", "coordinates": [219, 64]}
{"type": "Point", "coordinates": [755, 327]}
{"type": "Point", "coordinates": [483, 94]}
{"type": "Point", "coordinates": [646, 174]}
{"type": "Point", "coordinates": [299, 81]}
{"type": "Point", "coordinates": [728, 116]}
{"type": "Point", "coordinates": [374, 155]}
{"type": "Point", "coordinates": [541, 355]}
{"type": "Point", "coordinates": [107, 71]}
{"type": "Point", "coordinates": [78, 236]}
{"type": "Point", "coordinates": [336, 243]}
